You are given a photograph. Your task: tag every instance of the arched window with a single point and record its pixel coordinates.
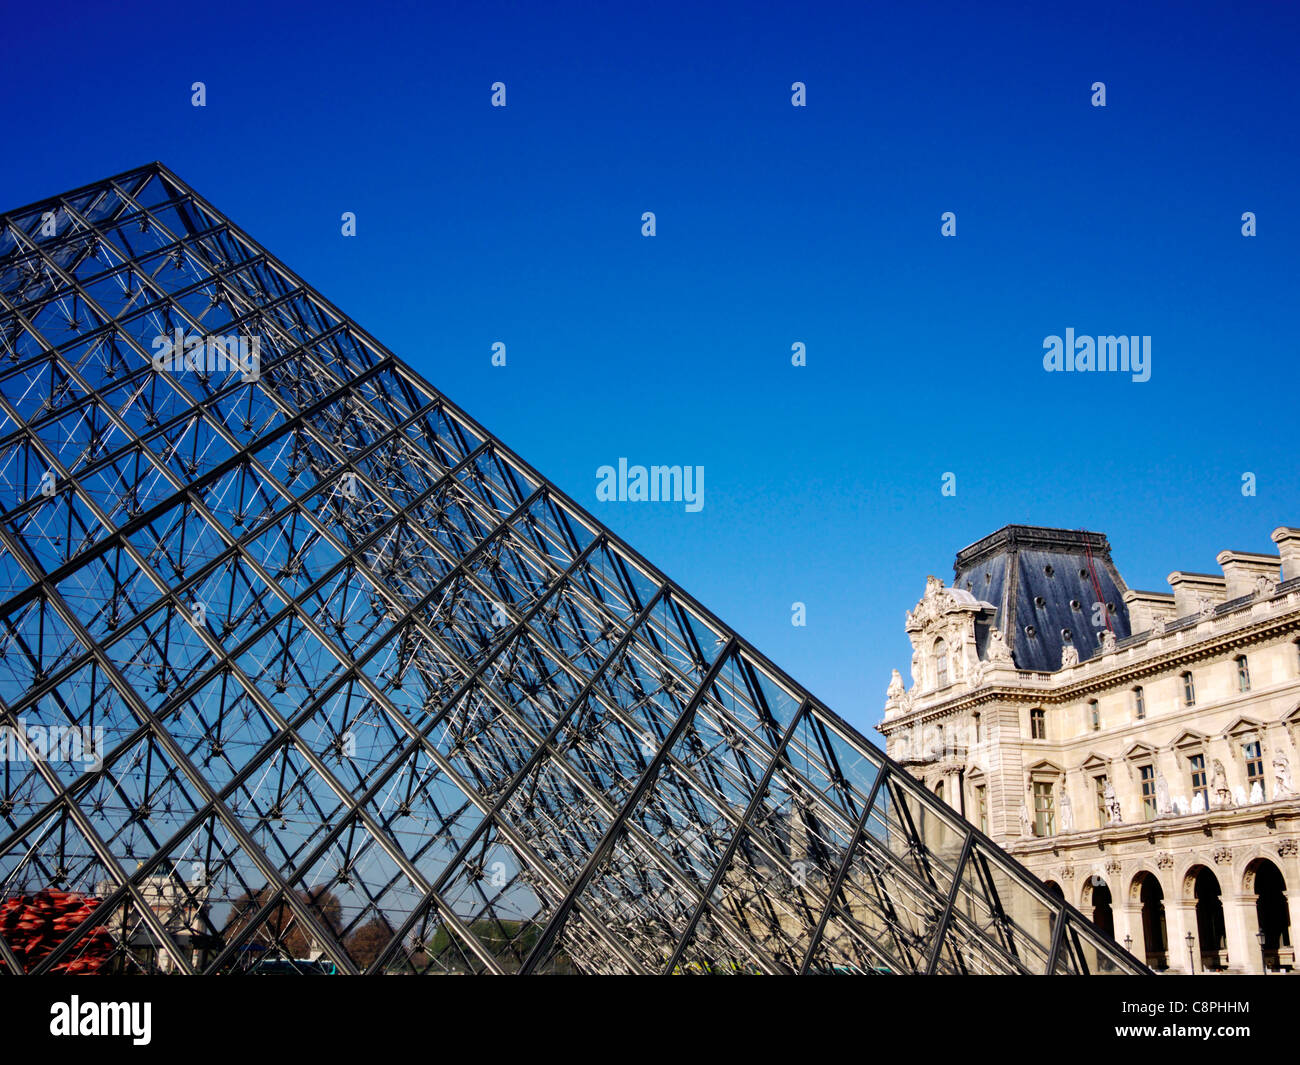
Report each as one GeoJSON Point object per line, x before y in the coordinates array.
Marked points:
{"type": "Point", "coordinates": [1189, 690]}
{"type": "Point", "coordinates": [1243, 674]}
{"type": "Point", "coordinates": [940, 663]}
{"type": "Point", "coordinates": [1139, 703]}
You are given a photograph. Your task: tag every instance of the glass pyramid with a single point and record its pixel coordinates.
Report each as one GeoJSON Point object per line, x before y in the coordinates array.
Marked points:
{"type": "Point", "coordinates": [301, 670]}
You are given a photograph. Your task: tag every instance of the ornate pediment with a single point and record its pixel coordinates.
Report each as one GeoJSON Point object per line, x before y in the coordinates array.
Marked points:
{"type": "Point", "coordinates": [942, 630]}
{"type": "Point", "coordinates": [939, 602]}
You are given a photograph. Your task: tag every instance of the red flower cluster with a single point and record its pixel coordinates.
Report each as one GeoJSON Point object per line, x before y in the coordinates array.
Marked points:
{"type": "Point", "coordinates": [34, 926]}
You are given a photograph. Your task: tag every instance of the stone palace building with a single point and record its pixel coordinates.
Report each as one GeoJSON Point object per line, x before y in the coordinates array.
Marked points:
{"type": "Point", "coordinates": [1135, 749]}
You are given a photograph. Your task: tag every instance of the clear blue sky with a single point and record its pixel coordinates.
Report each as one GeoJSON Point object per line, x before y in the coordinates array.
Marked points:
{"type": "Point", "coordinates": [775, 225]}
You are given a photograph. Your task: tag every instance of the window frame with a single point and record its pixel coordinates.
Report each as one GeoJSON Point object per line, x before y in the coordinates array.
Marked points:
{"type": "Point", "coordinates": [1255, 759]}
{"type": "Point", "coordinates": [1044, 813]}
{"type": "Point", "coordinates": [1099, 782]}
{"type": "Point", "coordinates": [941, 672]}
{"type": "Point", "coordinates": [1203, 788]}
{"type": "Point", "coordinates": [1150, 802]}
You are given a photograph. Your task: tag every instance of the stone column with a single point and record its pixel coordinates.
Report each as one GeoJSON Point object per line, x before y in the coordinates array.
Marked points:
{"type": "Point", "coordinates": [1128, 922]}
{"type": "Point", "coordinates": [1241, 925]}
{"type": "Point", "coordinates": [1180, 918]}
{"type": "Point", "coordinates": [1293, 905]}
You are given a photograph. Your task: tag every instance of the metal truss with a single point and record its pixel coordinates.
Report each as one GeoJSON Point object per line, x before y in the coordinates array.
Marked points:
{"type": "Point", "coordinates": [366, 693]}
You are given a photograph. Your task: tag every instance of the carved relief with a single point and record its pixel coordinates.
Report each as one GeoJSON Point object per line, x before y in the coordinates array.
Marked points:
{"type": "Point", "coordinates": [1165, 860]}
{"type": "Point", "coordinates": [1222, 855]}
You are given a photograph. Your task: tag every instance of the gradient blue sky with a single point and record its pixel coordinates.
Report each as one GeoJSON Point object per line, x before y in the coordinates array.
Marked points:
{"type": "Point", "coordinates": [775, 225]}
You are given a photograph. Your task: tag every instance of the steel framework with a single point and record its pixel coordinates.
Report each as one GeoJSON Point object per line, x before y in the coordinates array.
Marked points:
{"type": "Point", "coordinates": [301, 669]}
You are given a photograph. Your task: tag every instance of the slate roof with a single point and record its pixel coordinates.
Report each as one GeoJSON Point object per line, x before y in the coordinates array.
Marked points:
{"type": "Point", "coordinates": [1045, 584]}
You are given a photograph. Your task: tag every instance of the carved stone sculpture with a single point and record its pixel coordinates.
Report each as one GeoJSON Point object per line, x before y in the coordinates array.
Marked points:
{"type": "Point", "coordinates": [1112, 804]}
{"type": "Point", "coordinates": [1219, 786]}
{"type": "Point", "coordinates": [1067, 812]}
{"type": "Point", "coordinates": [1282, 784]}
{"type": "Point", "coordinates": [998, 651]}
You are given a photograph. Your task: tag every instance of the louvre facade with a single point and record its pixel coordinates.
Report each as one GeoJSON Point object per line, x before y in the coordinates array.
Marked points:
{"type": "Point", "coordinates": [301, 670]}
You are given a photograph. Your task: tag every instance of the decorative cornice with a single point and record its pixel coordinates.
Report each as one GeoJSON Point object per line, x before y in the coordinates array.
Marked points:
{"type": "Point", "coordinates": [1118, 674]}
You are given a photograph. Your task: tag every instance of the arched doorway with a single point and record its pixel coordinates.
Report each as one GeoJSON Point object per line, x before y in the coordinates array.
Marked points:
{"type": "Point", "coordinates": [1271, 912]}
{"type": "Point", "coordinates": [1102, 914]}
{"type": "Point", "coordinates": [1152, 897]}
{"type": "Point", "coordinates": [1096, 902]}
{"type": "Point", "coordinates": [1055, 889]}
{"type": "Point", "coordinates": [1211, 930]}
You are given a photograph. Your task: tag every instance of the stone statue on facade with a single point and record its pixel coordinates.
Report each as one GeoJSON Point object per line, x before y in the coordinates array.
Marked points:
{"type": "Point", "coordinates": [1282, 785]}
{"type": "Point", "coordinates": [1219, 786]}
{"type": "Point", "coordinates": [1067, 811]}
{"type": "Point", "coordinates": [1257, 792]}
{"type": "Point", "coordinates": [1112, 804]}
{"type": "Point", "coordinates": [1069, 656]}
{"type": "Point", "coordinates": [1108, 642]}
{"type": "Point", "coordinates": [1162, 794]}
{"type": "Point", "coordinates": [895, 690]}
{"type": "Point", "coordinates": [998, 650]}
{"type": "Point", "coordinates": [1024, 821]}
{"type": "Point", "coordinates": [1204, 606]}
{"type": "Point", "coordinates": [1158, 625]}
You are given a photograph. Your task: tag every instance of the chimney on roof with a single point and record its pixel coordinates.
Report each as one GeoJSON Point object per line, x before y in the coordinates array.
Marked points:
{"type": "Point", "coordinates": [1189, 588]}
{"type": "Point", "coordinates": [1288, 546]}
{"type": "Point", "coordinates": [1145, 607]}
{"type": "Point", "coordinates": [1242, 568]}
